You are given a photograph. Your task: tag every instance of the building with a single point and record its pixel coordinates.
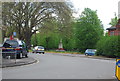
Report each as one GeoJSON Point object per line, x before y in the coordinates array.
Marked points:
{"type": "Point", "coordinates": [114, 31]}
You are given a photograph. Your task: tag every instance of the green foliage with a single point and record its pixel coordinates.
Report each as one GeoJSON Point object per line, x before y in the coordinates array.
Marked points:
{"type": "Point", "coordinates": [25, 18]}
{"type": "Point", "coordinates": [88, 30]}
{"type": "Point", "coordinates": [109, 46]}
{"type": "Point", "coordinates": [114, 21]}
{"type": "Point", "coordinates": [69, 43]}
{"type": "Point", "coordinates": [51, 41]}
{"type": "Point", "coordinates": [48, 41]}
{"type": "Point", "coordinates": [49, 36]}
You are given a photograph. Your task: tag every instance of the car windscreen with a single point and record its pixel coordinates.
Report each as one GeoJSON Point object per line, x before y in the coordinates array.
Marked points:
{"type": "Point", "coordinates": [10, 43]}
{"type": "Point", "coordinates": [90, 50]}
{"type": "Point", "coordinates": [40, 47]}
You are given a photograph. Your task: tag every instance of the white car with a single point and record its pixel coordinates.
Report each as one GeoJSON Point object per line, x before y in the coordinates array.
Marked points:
{"type": "Point", "coordinates": [1, 45]}
{"type": "Point", "coordinates": [38, 49]}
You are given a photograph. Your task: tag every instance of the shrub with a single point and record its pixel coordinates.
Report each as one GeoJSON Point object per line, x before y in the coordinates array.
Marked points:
{"type": "Point", "coordinates": [109, 46]}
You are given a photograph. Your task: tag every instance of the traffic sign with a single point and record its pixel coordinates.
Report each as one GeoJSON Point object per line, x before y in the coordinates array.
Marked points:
{"type": "Point", "coordinates": [118, 63]}
{"type": "Point", "coordinates": [117, 69]}
{"type": "Point", "coordinates": [14, 33]}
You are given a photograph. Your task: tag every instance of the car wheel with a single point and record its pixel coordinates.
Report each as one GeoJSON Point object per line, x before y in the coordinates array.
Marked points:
{"type": "Point", "coordinates": [26, 56]}
{"type": "Point", "coordinates": [19, 56]}
{"type": "Point", "coordinates": [4, 56]}
{"type": "Point", "coordinates": [86, 54]}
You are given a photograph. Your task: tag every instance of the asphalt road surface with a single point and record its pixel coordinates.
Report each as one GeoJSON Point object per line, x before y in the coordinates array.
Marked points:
{"type": "Point", "coordinates": [51, 66]}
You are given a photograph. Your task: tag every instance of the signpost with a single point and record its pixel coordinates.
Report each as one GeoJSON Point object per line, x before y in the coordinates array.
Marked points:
{"type": "Point", "coordinates": [118, 69]}
{"type": "Point", "coordinates": [14, 33]}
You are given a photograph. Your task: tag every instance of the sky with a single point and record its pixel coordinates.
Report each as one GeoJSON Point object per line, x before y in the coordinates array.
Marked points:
{"type": "Point", "coordinates": [105, 9]}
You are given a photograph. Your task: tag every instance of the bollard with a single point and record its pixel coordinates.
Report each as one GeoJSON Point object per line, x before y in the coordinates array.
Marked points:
{"type": "Point", "coordinates": [118, 69]}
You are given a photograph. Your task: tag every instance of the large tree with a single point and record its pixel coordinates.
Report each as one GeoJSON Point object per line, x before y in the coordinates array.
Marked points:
{"type": "Point", "coordinates": [26, 18]}
{"type": "Point", "coordinates": [88, 30]}
{"type": "Point", "coordinates": [114, 20]}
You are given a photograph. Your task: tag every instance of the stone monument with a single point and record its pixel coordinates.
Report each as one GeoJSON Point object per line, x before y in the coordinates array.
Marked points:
{"type": "Point", "coordinates": [60, 46]}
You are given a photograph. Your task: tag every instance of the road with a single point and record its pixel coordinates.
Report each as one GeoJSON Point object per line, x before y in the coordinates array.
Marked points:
{"type": "Point", "coordinates": [51, 66]}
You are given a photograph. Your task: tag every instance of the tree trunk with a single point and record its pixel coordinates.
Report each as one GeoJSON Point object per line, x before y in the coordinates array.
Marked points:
{"type": "Point", "coordinates": [28, 39]}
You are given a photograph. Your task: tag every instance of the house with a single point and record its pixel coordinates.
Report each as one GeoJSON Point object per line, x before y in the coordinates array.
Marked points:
{"type": "Point", "coordinates": [115, 30]}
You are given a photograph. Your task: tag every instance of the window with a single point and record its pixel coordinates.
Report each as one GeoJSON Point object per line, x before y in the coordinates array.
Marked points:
{"type": "Point", "coordinates": [111, 33]}
{"type": "Point", "coordinates": [10, 43]}
{"type": "Point", "coordinates": [119, 33]}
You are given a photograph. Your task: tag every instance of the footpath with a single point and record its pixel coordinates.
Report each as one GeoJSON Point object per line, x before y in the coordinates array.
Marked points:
{"type": "Point", "coordinates": [84, 56]}
{"type": "Point", "coordinates": [17, 62]}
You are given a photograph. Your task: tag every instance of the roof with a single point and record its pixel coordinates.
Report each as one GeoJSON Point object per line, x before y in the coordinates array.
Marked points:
{"type": "Point", "coordinates": [9, 39]}
{"type": "Point", "coordinates": [111, 28]}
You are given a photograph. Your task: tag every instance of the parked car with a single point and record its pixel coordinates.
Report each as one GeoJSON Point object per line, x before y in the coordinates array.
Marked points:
{"type": "Point", "coordinates": [90, 52]}
{"type": "Point", "coordinates": [38, 49]}
{"type": "Point", "coordinates": [14, 46]}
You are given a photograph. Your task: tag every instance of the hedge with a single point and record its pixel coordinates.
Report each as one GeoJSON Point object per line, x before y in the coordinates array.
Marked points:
{"type": "Point", "coordinates": [109, 46]}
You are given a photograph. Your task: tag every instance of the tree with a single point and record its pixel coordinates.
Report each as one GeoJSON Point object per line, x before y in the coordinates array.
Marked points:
{"type": "Point", "coordinates": [114, 21]}
{"type": "Point", "coordinates": [109, 46]}
{"type": "Point", "coordinates": [27, 17]}
{"type": "Point", "coordinates": [50, 35]}
{"type": "Point", "coordinates": [88, 30]}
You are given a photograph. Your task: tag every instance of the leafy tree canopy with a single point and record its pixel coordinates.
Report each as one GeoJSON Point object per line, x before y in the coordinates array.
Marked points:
{"type": "Point", "coordinates": [88, 30]}
{"type": "Point", "coordinates": [26, 18]}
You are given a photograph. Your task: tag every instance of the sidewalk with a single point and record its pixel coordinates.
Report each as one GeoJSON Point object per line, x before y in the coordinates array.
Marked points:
{"type": "Point", "coordinates": [17, 62]}
{"type": "Point", "coordinates": [82, 55]}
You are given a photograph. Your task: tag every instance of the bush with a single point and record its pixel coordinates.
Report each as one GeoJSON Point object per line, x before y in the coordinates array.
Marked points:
{"type": "Point", "coordinates": [109, 46]}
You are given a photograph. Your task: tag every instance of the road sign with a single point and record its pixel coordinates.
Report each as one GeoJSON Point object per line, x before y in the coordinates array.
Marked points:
{"type": "Point", "coordinates": [118, 69]}
{"type": "Point", "coordinates": [118, 63]}
{"type": "Point", "coordinates": [14, 33]}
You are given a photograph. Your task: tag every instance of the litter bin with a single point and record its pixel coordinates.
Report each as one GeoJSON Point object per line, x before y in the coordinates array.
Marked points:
{"type": "Point", "coordinates": [118, 69]}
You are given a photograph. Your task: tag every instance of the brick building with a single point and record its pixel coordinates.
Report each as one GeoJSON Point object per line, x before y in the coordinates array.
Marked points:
{"type": "Point", "coordinates": [114, 31]}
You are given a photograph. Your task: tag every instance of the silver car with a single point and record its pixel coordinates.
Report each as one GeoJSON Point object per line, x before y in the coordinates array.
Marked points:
{"type": "Point", "coordinates": [38, 49]}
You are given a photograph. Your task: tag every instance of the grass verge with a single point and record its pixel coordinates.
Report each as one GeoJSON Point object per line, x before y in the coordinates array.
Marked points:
{"type": "Point", "coordinates": [64, 52]}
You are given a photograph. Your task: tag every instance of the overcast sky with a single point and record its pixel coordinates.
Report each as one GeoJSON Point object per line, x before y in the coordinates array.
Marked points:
{"type": "Point", "coordinates": [105, 8]}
